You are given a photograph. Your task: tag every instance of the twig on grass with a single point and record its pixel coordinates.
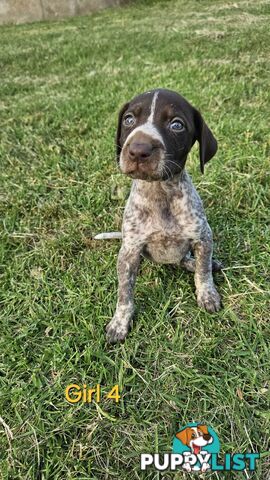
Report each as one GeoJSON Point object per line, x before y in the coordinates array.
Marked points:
{"type": "Point", "coordinates": [9, 436]}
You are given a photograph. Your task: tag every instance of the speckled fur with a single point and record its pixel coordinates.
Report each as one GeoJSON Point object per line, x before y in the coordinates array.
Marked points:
{"type": "Point", "coordinates": [164, 220]}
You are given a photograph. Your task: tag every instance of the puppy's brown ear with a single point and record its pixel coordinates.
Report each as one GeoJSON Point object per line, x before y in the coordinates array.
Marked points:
{"type": "Point", "coordinates": [207, 141]}
{"type": "Point", "coordinates": [203, 429]}
{"type": "Point", "coordinates": [118, 133]}
{"type": "Point", "coordinates": [183, 436]}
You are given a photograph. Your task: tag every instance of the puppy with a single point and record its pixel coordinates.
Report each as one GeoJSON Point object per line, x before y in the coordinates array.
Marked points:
{"type": "Point", "coordinates": [164, 219]}
{"type": "Point", "coordinates": [195, 438]}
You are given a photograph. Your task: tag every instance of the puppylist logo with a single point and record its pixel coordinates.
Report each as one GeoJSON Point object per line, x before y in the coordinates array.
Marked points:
{"type": "Point", "coordinates": [196, 448]}
{"type": "Point", "coordinates": [197, 443]}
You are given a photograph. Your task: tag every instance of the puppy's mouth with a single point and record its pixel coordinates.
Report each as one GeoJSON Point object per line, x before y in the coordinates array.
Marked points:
{"type": "Point", "coordinates": [196, 449]}
{"type": "Point", "coordinates": [145, 165]}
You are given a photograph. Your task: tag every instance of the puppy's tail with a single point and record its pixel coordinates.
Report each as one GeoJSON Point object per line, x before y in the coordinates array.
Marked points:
{"type": "Point", "coordinates": [108, 236]}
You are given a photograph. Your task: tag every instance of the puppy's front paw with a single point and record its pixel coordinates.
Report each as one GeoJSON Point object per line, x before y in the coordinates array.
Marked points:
{"type": "Point", "coordinates": [117, 330]}
{"type": "Point", "coordinates": [187, 467]}
{"type": "Point", "coordinates": [205, 467]}
{"type": "Point", "coordinates": [209, 299]}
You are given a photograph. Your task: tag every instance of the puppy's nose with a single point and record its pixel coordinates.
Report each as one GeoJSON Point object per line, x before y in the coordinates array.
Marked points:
{"type": "Point", "coordinates": [207, 436]}
{"type": "Point", "coordinates": [140, 151]}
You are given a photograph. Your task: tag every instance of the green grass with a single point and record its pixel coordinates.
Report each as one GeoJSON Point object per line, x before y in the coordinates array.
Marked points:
{"type": "Point", "coordinates": [61, 85]}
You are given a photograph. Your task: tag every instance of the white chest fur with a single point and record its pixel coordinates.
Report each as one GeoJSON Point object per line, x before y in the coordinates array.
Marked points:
{"type": "Point", "coordinates": [165, 217]}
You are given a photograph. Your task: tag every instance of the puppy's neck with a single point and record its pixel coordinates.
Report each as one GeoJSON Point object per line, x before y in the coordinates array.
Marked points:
{"type": "Point", "coordinates": [155, 189]}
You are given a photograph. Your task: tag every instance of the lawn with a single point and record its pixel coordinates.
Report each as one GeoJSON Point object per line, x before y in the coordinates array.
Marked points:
{"type": "Point", "coordinates": [61, 86]}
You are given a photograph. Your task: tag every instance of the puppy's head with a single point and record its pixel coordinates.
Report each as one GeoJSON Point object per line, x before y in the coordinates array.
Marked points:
{"type": "Point", "coordinates": [195, 437]}
{"type": "Point", "coordinates": [156, 130]}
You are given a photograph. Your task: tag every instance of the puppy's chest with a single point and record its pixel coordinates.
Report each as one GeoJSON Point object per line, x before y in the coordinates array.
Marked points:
{"type": "Point", "coordinates": [162, 220]}
{"type": "Point", "coordinates": [173, 219]}
{"type": "Point", "coordinates": [169, 232]}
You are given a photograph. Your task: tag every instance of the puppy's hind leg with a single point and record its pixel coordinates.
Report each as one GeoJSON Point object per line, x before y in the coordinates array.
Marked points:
{"type": "Point", "coordinates": [189, 264]}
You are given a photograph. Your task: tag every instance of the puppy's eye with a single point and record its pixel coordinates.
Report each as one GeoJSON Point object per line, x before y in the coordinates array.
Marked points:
{"type": "Point", "coordinates": [129, 120]}
{"type": "Point", "coordinates": [177, 125]}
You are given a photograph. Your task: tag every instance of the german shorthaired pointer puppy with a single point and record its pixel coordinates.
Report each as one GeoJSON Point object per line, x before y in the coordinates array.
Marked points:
{"type": "Point", "coordinates": [164, 218]}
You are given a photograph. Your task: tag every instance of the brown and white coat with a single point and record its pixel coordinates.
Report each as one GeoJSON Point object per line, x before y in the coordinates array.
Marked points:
{"type": "Point", "coordinates": [164, 218]}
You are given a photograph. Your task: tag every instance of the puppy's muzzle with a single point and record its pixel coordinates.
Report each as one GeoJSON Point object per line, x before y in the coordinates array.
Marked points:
{"type": "Point", "coordinates": [140, 152]}
{"type": "Point", "coordinates": [142, 157]}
